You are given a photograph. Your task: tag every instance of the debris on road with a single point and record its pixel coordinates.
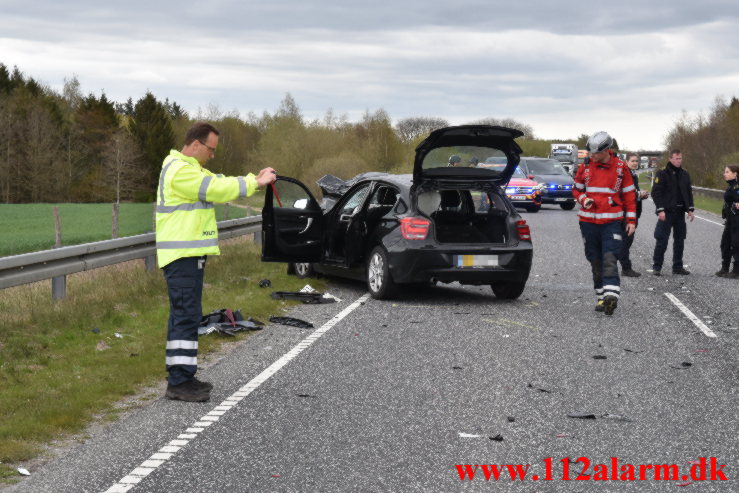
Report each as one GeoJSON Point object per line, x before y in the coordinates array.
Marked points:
{"type": "Point", "coordinates": [227, 322]}
{"type": "Point", "coordinates": [468, 435]}
{"type": "Point", "coordinates": [615, 417]}
{"type": "Point", "coordinates": [580, 415]}
{"type": "Point", "coordinates": [497, 438]}
{"type": "Point", "coordinates": [632, 351]}
{"type": "Point", "coordinates": [562, 435]}
{"type": "Point", "coordinates": [539, 389]}
{"type": "Point", "coordinates": [600, 356]}
{"type": "Point", "coordinates": [684, 365]}
{"type": "Point", "coordinates": [265, 283]}
{"type": "Point", "coordinates": [23, 471]}
{"type": "Point", "coordinates": [293, 322]}
{"type": "Point", "coordinates": [456, 367]}
{"type": "Point", "coordinates": [306, 297]}
{"type": "Point", "coordinates": [511, 419]}
{"type": "Point", "coordinates": [308, 395]}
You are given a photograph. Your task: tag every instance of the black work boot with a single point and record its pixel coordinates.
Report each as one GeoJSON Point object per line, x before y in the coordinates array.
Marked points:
{"type": "Point", "coordinates": [630, 273]}
{"type": "Point", "coordinates": [202, 385]}
{"type": "Point", "coordinates": [680, 271]}
{"type": "Point", "coordinates": [723, 273]}
{"type": "Point", "coordinates": [609, 304]}
{"type": "Point", "coordinates": [657, 271]}
{"type": "Point", "coordinates": [599, 307]}
{"type": "Point", "coordinates": [188, 391]}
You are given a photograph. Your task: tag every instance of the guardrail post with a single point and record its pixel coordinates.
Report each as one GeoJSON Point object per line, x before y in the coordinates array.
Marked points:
{"type": "Point", "coordinates": [58, 284]}
{"type": "Point", "coordinates": [59, 287]}
{"type": "Point", "coordinates": [150, 262]}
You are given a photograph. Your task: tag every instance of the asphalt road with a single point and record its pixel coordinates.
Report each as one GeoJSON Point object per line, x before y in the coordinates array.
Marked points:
{"type": "Point", "coordinates": [396, 394]}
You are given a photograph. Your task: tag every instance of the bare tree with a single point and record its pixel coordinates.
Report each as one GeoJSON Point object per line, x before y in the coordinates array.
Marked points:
{"type": "Point", "coordinates": [409, 129]}
{"type": "Point", "coordinates": [528, 131]}
{"type": "Point", "coordinates": [122, 165]}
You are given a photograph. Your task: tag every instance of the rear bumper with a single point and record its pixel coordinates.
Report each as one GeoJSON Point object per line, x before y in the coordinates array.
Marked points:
{"type": "Point", "coordinates": [411, 265]}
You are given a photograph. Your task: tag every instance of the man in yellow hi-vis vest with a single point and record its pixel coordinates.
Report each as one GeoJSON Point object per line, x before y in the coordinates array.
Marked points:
{"type": "Point", "coordinates": [186, 233]}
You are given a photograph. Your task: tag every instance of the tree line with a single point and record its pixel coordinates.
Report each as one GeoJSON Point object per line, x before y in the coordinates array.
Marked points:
{"type": "Point", "coordinates": [70, 147]}
{"type": "Point", "coordinates": [708, 142]}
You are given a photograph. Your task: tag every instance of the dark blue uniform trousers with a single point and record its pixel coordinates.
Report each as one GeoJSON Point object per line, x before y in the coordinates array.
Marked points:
{"type": "Point", "coordinates": [602, 249]}
{"type": "Point", "coordinates": [184, 279]}
{"type": "Point", "coordinates": [675, 222]}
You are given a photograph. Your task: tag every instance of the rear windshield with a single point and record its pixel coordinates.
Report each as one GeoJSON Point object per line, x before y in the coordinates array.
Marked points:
{"type": "Point", "coordinates": [500, 167]}
{"type": "Point", "coordinates": [463, 157]}
{"type": "Point", "coordinates": [545, 167]}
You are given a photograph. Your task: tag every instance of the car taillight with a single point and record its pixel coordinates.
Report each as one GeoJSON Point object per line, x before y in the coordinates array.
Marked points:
{"type": "Point", "coordinates": [524, 233]}
{"type": "Point", "coordinates": [414, 228]}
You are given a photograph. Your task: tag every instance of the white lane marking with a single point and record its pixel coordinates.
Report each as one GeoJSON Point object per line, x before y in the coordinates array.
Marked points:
{"type": "Point", "coordinates": [690, 315]}
{"type": "Point", "coordinates": [168, 451]}
{"type": "Point", "coordinates": [708, 220]}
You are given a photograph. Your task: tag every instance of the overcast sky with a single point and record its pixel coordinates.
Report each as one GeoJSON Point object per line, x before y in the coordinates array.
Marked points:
{"type": "Point", "coordinates": [564, 67]}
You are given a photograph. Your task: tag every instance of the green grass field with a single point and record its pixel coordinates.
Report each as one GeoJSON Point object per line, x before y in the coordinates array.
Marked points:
{"type": "Point", "coordinates": [30, 227]}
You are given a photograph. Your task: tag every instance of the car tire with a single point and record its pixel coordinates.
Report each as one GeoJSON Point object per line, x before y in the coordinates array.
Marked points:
{"type": "Point", "coordinates": [302, 269]}
{"type": "Point", "coordinates": [508, 290]}
{"type": "Point", "coordinates": [379, 282]}
{"type": "Point", "coordinates": [568, 206]}
{"type": "Point", "coordinates": [533, 208]}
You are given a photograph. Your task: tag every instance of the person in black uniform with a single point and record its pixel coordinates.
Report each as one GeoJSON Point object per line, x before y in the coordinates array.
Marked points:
{"type": "Point", "coordinates": [730, 236]}
{"type": "Point", "coordinates": [673, 196]}
{"type": "Point", "coordinates": [632, 161]}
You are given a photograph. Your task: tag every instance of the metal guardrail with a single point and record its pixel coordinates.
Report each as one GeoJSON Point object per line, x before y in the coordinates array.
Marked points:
{"type": "Point", "coordinates": [57, 263]}
{"type": "Point", "coordinates": [711, 193]}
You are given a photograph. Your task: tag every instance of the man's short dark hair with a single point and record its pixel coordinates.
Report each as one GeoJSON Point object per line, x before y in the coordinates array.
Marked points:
{"type": "Point", "coordinates": [675, 151]}
{"type": "Point", "coordinates": [200, 131]}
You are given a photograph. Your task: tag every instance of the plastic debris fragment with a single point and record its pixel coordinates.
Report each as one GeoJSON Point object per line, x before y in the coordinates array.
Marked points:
{"type": "Point", "coordinates": [580, 415]}
{"type": "Point", "coordinates": [511, 419]}
{"type": "Point", "coordinates": [456, 367]}
{"type": "Point", "coordinates": [265, 283]}
{"type": "Point", "coordinates": [600, 356]}
{"type": "Point", "coordinates": [23, 471]}
{"type": "Point", "coordinates": [102, 346]}
{"type": "Point", "coordinates": [306, 297]}
{"type": "Point", "coordinates": [497, 438]}
{"type": "Point", "coordinates": [293, 322]}
{"type": "Point", "coordinates": [95, 330]}
{"type": "Point", "coordinates": [468, 435]}
{"type": "Point", "coordinates": [684, 365]}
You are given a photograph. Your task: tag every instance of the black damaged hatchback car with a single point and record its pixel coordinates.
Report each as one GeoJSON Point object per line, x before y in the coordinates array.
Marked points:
{"type": "Point", "coordinates": [440, 224]}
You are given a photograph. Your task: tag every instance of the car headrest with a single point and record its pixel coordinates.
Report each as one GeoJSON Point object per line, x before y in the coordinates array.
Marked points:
{"type": "Point", "coordinates": [428, 202]}
{"type": "Point", "coordinates": [386, 196]}
{"type": "Point", "coordinates": [450, 199]}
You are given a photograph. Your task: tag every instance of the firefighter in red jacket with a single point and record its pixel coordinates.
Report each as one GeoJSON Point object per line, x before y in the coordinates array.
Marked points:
{"type": "Point", "coordinates": [605, 191]}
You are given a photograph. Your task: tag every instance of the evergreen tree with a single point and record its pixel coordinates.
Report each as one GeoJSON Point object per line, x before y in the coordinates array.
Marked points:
{"type": "Point", "coordinates": [152, 129]}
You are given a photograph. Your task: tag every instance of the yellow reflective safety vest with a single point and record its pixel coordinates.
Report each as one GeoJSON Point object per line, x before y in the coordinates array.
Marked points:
{"type": "Point", "coordinates": [185, 211]}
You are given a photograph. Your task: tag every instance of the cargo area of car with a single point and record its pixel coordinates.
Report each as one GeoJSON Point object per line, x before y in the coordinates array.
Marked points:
{"type": "Point", "coordinates": [465, 216]}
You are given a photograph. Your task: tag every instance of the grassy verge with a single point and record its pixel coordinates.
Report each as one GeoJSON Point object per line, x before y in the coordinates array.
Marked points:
{"type": "Point", "coordinates": [57, 374]}
{"type": "Point", "coordinates": [33, 224]}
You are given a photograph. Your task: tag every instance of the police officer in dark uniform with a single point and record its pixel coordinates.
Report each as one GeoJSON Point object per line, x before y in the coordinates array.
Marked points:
{"type": "Point", "coordinates": [730, 213]}
{"type": "Point", "coordinates": [673, 196]}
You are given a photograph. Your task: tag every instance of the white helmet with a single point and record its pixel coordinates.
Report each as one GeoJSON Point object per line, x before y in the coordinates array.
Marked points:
{"type": "Point", "coordinates": [599, 142]}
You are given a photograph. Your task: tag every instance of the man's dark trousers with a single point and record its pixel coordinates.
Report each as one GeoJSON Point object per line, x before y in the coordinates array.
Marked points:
{"type": "Point", "coordinates": [675, 222]}
{"type": "Point", "coordinates": [625, 257]}
{"type": "Point", "coordinates": [184, 279]}
{"type": "Point", "coordinates": [602, 249]}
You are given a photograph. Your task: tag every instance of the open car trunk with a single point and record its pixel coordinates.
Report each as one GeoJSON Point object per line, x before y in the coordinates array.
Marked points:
{"type": "Point", "coordinates": [465, 216]}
